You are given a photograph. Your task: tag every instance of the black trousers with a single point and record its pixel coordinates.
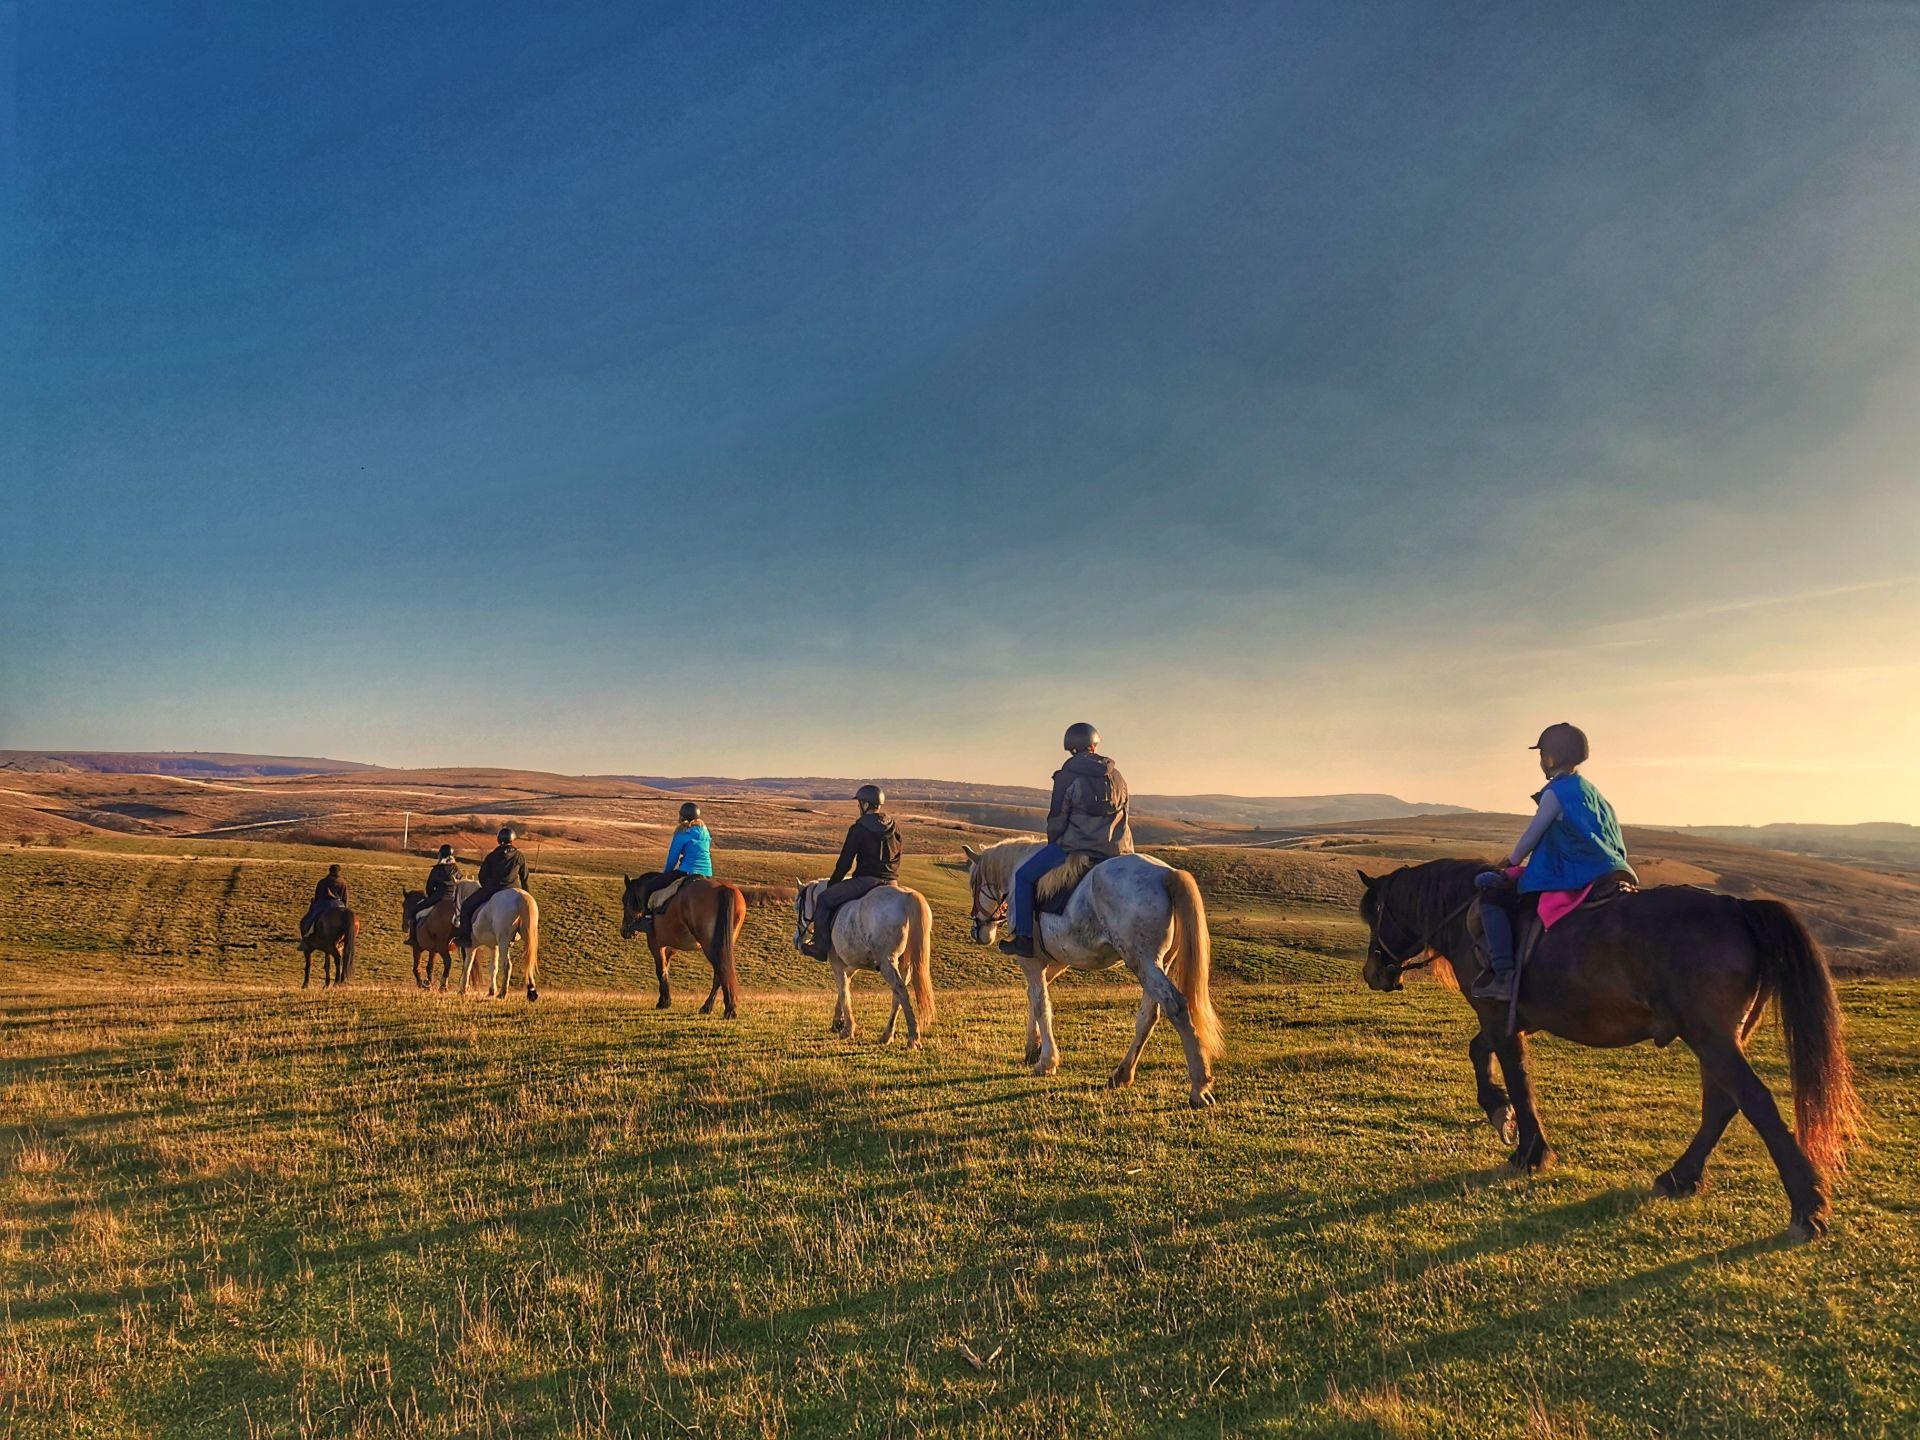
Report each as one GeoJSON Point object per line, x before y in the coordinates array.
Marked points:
{"type": "Point", "coordinates": [469, 908]}
{"type": "Point", "coordinates": [831, 899]}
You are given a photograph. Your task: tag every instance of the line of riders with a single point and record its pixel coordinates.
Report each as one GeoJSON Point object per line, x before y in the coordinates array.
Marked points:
{"type": "Point", "coordinates": [1571, 851]}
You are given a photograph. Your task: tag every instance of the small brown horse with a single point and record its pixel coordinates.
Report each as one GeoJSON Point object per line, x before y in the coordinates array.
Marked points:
{"type": "Point", "coordinates": [430, 930]}
{"type": "Point", "coordinates": [704, 912]}
{"type": "Point", "coordinates": [1671, 962]}
{"type": "Point", "coordinates": [333, 933]}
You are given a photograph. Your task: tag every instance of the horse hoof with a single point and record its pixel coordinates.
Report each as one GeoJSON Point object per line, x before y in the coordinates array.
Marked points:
{"type": "Point", "coordinates": [1805, 1229]}
{"type": "Point", "coordinates": [662, 1003]}
{"type": "Point", "coordinates": [706, 1009]}
{"type": "Point", "coordinates": [1120, 1079]}
{"type": "Point", "coordinates": [1043, 1068]}
{"type": "Point", "coordinates": [532, 994]}
{"type": "Point", "coordinates": [1203, 1101]}
{"type": "Point", "coordinates": [1674, 1188]}
{"type": "Point", "coordinates": [1032, 1057]}
{"type": "Point", "coordinates": [1504, 1124]}
{"type": "Point", "coordinates": [914, 1043]}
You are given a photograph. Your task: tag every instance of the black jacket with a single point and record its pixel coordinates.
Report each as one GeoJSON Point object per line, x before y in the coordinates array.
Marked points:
{"type": "Point", "coordinates": [872, 850]}
{"type": "Point", "coordinates": [442, 878]}
{"type": "Point", "coordinates": [504, 869]}
{"type": "Point", "coordinates": [330, 889]}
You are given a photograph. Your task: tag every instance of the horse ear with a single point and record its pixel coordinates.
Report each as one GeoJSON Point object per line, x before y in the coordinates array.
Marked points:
{"type": "Point", "coordinates": [1367, 880]}
{"type": "Point", "coordinates": [973, 855]}
{"type": "Point", "coordinates": [627, 878]}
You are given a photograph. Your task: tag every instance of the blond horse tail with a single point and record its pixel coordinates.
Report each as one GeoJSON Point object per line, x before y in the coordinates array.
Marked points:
{"type": "Point", "coordinates": [1192, 960]}
{"type": "Point", "coordinates": [920, 958]}
{"type": "Point", "coordinates": [530, 927]}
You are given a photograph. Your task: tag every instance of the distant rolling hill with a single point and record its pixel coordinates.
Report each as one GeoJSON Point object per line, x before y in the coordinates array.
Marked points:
{"type": "Point", "coordinates": [1251, 811]}
{"type": "Point", "coordinates": [191, 763]}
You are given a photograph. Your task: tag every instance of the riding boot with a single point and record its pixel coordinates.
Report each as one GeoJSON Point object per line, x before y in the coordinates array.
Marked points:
{"type": "Point", "coordinates": [820, 943]}
{"type": "Point", "coordinates": [1020, 945]}
{"type": "Point", "coordinates": [1494, 985]}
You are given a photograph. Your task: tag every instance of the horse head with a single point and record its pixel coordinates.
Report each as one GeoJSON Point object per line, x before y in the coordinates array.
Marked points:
{"type": "Point", "coordinates": [630, 908]}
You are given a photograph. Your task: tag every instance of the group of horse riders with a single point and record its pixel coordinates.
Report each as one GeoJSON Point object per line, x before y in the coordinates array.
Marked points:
{"type": "Point", "coordinates": [1572, 847]}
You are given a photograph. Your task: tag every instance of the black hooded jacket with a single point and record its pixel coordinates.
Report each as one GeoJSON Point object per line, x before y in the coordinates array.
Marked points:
{"type": "Point", "coordinates": [872, 850]}
{"type": "Point", "coordinates": [504, 869]}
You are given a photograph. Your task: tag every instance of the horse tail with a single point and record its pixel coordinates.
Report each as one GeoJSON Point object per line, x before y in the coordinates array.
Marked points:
{"type": "Point", "coordinates": [530, 927]}
{"type": "Point", "coordinates": [728, 914]}
{"type": "Point", "coordinates": [920, 958]}
{"type": "Point", "coordinates": [1192, 960]}
{"type": "Point", "coordinates": [346, 944]}
{"type": "Point", "coordinates": [1826, 1108]}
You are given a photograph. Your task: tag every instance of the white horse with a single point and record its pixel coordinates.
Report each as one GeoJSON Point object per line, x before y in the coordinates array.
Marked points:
{"type": "Point", "coordinates": [1130, 910]}
{"type": "Point", "coordinates": [888, 929]}
{"type": "Point", "coordinates": [507, 914]}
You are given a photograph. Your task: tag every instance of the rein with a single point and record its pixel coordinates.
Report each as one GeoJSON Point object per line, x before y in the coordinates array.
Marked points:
{"type": "Point", "coordinates": [1424, 950]}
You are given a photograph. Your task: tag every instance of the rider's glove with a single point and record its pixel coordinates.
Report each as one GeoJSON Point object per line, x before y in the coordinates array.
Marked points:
{"type": "Point", "coordinates": [1491, 880]}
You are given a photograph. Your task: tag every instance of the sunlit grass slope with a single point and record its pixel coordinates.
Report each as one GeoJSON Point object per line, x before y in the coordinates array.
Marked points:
{"type": "Point", "coordinates": [230, 1210]}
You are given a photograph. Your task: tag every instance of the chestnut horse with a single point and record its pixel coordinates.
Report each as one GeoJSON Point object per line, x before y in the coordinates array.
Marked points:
{"type": "Point", "coordinates": [431, 930]}
{"type": "Point", "coordinates": [1672, 962]}
{"type": "Point", "coordinates": [703, 912]}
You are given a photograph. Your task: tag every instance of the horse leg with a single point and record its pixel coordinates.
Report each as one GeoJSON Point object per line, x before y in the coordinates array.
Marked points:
{"type": "Point", "coordinates": [902, 1003]}
{"type": "Point", "coordinates": [660, 954]}
{"type": "Point", "coordinates": [1040, 1007]}
{"type": "Point", "coordinates": [1717, 1109]}
{"type": "Point", "coordinates": [1531, 1151]}
{"type": "Point", "coordinates": [307, 978]}
{"type": "Point", "coordinates": [1143, 1024]}
{"type": "Point", "coordinates": [1164, 993]}
{"type": "Point", "coordinates": [714, 993]}
{"type": "Point", "coordinates": [1493, 1099]}
{"type": "Point", "coordinates": [1722, 1062]}
{"type": "Point", "coordinates": [843, 1005]}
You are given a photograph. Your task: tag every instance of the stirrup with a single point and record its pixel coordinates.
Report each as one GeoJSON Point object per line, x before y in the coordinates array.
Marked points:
{"type": "Point", "coordinates": [1020, 945]}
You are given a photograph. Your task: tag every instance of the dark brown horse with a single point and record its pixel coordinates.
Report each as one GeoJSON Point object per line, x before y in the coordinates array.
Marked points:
{"type": "Point", "coordinates": [1666, 963]}
{"type": "Point", "coordinates": [705, 913]}
{"type": "Point", "coordinates": [333, 933]}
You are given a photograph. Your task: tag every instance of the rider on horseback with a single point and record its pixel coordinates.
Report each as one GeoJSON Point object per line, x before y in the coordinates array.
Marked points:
{"type": "Point", "coordinates": [869, 858]}
{"type": "Point", "coordinates": [1087, 816]}
{"type": "Point", "coordinates": [503, 869]}
{"type": "Point", "coordinates": [1573, 842]}
{"type": "Point", "coordinates": [442, 880]}
{"type": "Point", "coordinates": [689, 853]}
{"type": "Point", "coordinates": [331, 890]}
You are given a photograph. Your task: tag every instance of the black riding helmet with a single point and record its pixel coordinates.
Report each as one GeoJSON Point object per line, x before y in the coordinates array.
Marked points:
{"type": "Point", "coordinates": [872, 796]}
{"type": "Point", "coordinates": [506, 835]}
{"type": "Point", "coordinates": [1081, 737]}
{"type": "Point", "coordinates": [446, 852]}
{"type": "Point", "coordinates": [1563, 744]}
{"type": "Point", "coordinates": [689, 811]}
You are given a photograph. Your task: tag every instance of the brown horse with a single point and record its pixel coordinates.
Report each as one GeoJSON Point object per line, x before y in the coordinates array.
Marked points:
{"type": "Point", "coordinates": [333, 933]}
{"type": "Point", "coordinates": [704, 912]}
{"type": "Point", "coordinates": [430, 930]}
{"type": "Point", "coordinates": [1666, 963]}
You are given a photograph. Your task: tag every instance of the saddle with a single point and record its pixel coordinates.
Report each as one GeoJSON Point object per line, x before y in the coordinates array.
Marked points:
{"type": "Point", "coordinates": [1056, 887]}
{"type": "Point", "coordinates": [1532, 930]}
{"type": "Point", "coordinates": [657, 901]}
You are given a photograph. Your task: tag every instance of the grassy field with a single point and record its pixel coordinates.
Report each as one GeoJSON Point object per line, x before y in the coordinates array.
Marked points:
{"type": "Point", "coordinates": [228, 1207]}
{"type": "Point", "coordinates": [242, 1211]}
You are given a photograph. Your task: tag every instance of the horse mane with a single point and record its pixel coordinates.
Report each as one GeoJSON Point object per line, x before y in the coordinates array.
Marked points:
{"type": "Point", "coordinates": [1421, 896]}
{"type": "Point", "coordinates": [998, 861]}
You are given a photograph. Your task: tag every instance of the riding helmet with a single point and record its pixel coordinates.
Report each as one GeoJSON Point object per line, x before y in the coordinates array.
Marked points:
{"type": "Point", "coordinates": [446, 852]}
{"type": "Point", "coordinates": [689, 811]}
{"type": "Point", "coordinates": [1565, 743]}
{"type": "Point", "coordinates": [871, 795]}
{"type": "Point", "coordinates": [1082, 736]}
{"type": "Point", "coordinates": [506, 835]}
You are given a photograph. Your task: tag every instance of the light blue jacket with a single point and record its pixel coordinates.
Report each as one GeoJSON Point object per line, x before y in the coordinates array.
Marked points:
{"type": "Point", "coordinates": [691, 852]}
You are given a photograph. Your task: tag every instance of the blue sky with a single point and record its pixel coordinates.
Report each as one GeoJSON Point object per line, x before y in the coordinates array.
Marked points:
{"type": "Point", "coordinates": [1316, 397]}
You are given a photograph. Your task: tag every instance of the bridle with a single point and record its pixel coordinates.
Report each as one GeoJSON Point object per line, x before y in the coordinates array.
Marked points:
{"type": "Point", "coordinates": [982, 916]}
{"type": "Point", "coordinates": [1422, 954]}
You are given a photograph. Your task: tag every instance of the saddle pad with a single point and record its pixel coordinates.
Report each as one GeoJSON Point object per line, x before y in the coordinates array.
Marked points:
{"type": "Point", "coordinates": [1056, 887]}
{"type": "Point", "coordinates": [660, 897]}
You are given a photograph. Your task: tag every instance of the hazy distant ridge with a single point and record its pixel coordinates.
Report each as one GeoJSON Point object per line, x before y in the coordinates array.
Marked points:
{"type": "Point", "coordinates": [1206, 809]}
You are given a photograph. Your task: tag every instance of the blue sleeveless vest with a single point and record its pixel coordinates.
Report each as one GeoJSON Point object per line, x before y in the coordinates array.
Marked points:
{"type": "Point", "coordinates": [1583, 845]}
